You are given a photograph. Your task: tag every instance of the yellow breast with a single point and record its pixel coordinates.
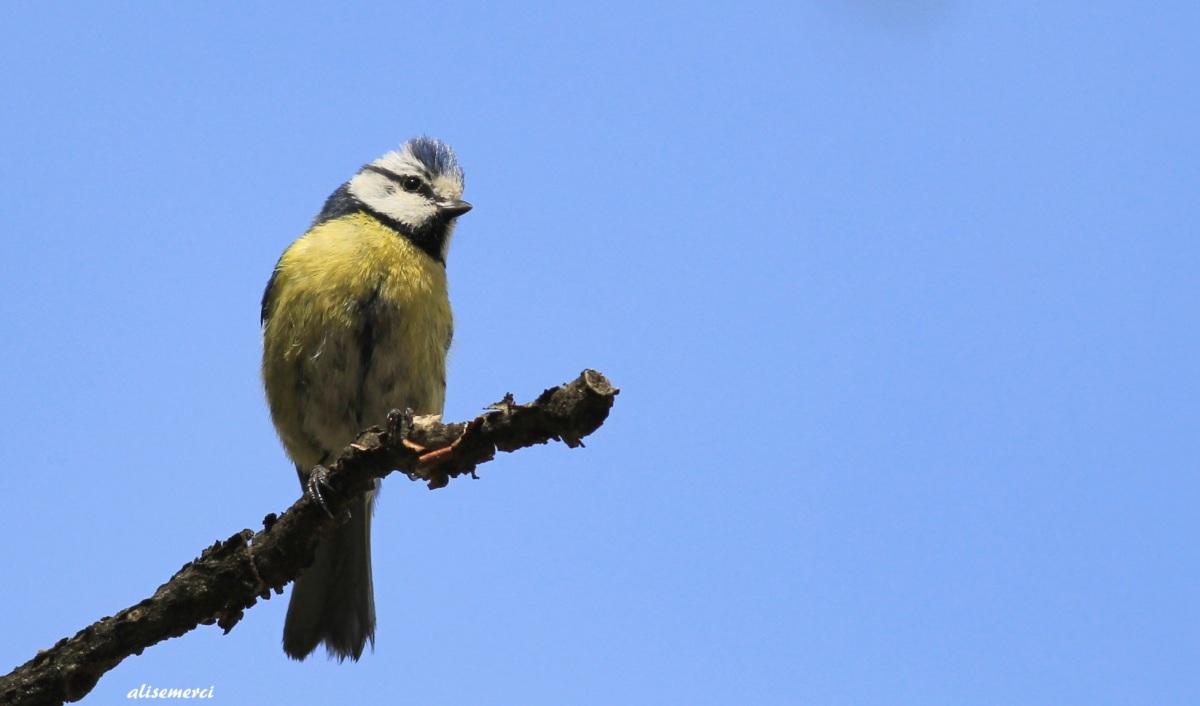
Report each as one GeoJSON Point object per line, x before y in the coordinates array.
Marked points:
{"type": "Point", "coordinates": [358, 323]}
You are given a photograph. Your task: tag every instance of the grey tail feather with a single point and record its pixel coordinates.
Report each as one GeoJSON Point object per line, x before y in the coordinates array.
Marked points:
{"type": "Point", "coordinates": [333, 600]}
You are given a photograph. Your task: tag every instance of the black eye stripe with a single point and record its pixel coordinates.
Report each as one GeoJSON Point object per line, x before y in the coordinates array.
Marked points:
{"type": "Point", "coordinates": [393, 176]}
{"type": "Point", "coordinates": [425, 190]}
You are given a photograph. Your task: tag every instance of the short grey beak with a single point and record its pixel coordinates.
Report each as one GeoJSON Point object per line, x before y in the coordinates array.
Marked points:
{"type": "Point", "coordinates": [453, 209]}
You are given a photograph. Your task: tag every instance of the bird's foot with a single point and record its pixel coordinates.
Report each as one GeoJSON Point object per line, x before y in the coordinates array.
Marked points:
{"type": "Point", "coordinates": [399, 423]}
{"type": "Point", "coordinates": [318, 478]}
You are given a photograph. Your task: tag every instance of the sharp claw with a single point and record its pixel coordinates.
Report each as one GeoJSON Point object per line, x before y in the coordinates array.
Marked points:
{"type": "Point", "coordinates": [317, 478]}
{"type": "Point", "coordinates": [399, 423]}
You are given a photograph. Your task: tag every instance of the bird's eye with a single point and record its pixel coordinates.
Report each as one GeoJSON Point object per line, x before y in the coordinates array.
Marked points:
{"type": "Point", "coordinates": [411, 183]}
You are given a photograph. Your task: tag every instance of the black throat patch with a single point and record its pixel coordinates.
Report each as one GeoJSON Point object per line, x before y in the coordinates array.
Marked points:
{"type": "Point", "coordinates": [430, 237]}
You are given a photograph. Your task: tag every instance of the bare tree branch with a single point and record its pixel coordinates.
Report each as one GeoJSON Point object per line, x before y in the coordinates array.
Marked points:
{"type": "Point", "coordinates": [231, 575]}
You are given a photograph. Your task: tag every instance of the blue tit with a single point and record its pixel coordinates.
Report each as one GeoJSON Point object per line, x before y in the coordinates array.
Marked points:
{"type": "Point", "coordinates": [356, 322]}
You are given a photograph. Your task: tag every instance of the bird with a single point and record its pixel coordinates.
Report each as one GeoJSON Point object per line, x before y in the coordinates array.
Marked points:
{"type": "Point", "coordinates": [356, 322]}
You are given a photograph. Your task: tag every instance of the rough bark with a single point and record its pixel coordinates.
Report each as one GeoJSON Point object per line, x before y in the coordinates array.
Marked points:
{"type": "Point", "coordinates": [231, 575]}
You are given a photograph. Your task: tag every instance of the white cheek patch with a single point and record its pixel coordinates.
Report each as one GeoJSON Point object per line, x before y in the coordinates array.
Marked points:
{"type": "Point", "coordinates": [385, 197]}
{"type": "Point", "coordinates": [409, 209]}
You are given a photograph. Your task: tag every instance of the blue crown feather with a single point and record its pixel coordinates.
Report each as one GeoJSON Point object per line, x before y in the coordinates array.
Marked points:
{"type": "Point", "coordinates": [437, 156]}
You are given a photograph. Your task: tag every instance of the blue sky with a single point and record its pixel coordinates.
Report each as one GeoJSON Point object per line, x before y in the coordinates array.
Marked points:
{"type": "Point", "coordinates": [901, 297]}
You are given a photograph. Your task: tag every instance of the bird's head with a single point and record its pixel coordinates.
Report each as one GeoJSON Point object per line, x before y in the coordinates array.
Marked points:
{"type": "Point", "coordinates": [416, 190]}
